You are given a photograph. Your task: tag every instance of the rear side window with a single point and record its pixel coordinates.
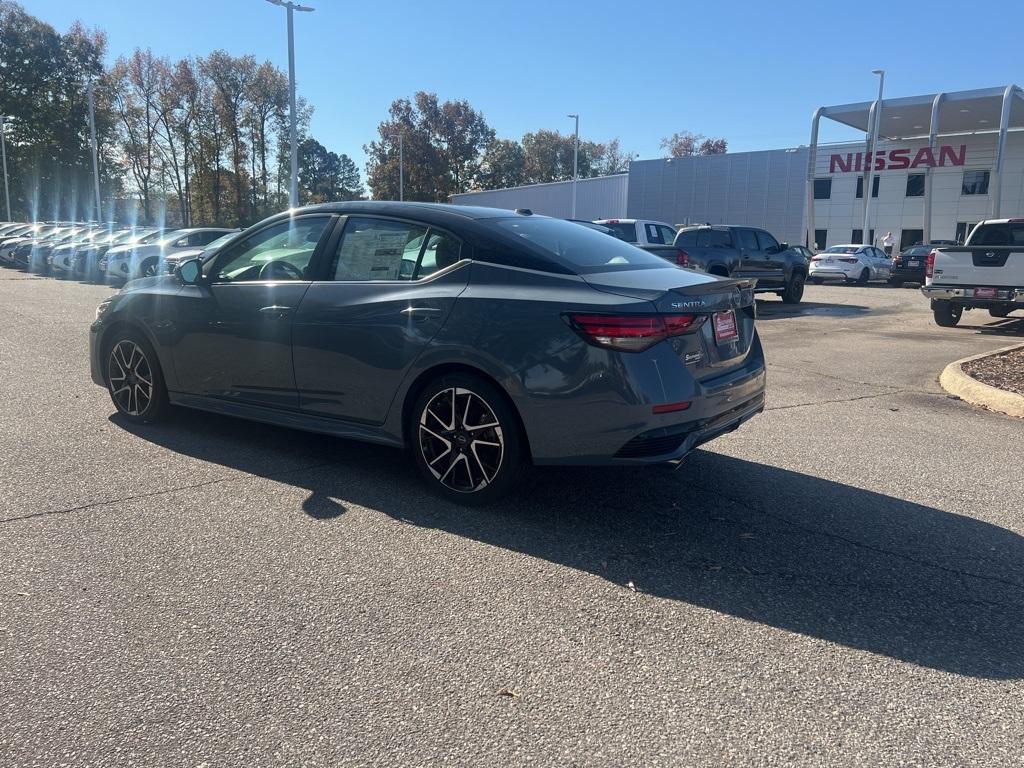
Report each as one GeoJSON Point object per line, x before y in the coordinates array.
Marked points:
{"type": "Point", "coordinates": [581, 250]}
{"type": "Point", "coordinates": [625, 232]}
{"type": "Point", "coordinates": [377, 249]}
{"type": "Point", "coordinates": [653, 232]}
{"type": "Point", "coordinates": [714, 238]}
{"type": "Point", "coordinates": [748, 240]}
{"type": "Point", "coordinates": [687, 239]}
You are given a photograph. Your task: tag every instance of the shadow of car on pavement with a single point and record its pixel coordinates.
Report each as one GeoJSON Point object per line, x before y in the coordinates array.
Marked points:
{"type": "Point", "coordinates": [768, 545]}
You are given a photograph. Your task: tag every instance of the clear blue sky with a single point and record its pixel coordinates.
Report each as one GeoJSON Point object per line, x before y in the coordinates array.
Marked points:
{"type": "Point", "coordinates": [752, 72]}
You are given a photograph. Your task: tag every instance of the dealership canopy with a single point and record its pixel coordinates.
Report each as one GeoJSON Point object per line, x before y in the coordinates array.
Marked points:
{"type": "Point", "coordinates": [986, 110]}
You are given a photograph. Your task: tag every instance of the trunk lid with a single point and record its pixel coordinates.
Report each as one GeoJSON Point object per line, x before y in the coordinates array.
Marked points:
{"type": "Point", "coordinates": [719, 344]}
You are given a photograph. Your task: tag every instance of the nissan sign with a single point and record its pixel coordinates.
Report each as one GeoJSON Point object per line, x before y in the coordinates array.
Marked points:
{"type": "Point", "coordinates": [898, 159]}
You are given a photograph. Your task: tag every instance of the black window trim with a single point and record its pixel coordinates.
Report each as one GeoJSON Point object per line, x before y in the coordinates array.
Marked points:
{"type": "Point", "coordinates": [324, 274]}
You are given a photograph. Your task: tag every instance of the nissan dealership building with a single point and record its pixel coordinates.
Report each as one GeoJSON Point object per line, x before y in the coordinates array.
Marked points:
{"type": "Point", "coordinates": [943, 162]}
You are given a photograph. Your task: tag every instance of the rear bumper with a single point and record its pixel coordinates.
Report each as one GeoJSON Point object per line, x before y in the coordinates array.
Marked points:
{"type": "Point", "coordinates": [908, 274]}
{"type": "Point", "coordinates": [965, 295]}
{"type": "Point", "coordinates": [830, 273]}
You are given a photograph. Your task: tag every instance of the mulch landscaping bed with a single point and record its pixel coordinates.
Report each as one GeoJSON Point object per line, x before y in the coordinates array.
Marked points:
{"type": "Point", "coordinates": [1005, 371]}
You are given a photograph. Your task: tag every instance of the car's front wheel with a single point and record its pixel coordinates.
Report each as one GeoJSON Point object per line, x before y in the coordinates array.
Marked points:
{"type": "Point", "coordinates": [794, 290]}
{"type": "Point", "coordinates": [946, 313]}
{"type": "Point", "coordinates": [134, 378]}
{"type": "Point", "coordinates": [466, 439]}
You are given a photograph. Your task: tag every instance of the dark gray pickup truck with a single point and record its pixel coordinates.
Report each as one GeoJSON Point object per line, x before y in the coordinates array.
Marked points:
{"type": "Point", "coordinates": [746, 252]}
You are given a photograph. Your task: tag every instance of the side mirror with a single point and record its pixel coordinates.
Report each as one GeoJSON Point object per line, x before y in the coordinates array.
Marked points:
{"type": "Point", "coordinates": [783, 247]}
{"type": "Point", "coordinates": [190, 272]}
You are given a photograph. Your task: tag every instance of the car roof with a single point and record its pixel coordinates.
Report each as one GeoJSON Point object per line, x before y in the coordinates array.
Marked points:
{"type": "Point", "coordinates": [428, 212]}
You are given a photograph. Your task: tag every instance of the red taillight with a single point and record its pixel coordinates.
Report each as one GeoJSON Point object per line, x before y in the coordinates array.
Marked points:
{"type": "Point", "coordinates": [682, 257]}
{"type": "Point", "coordinates": [849, 261]}
{"type": "Point", "coordinates": [929, 265]}
{"type": "Point", "coordinates": [631, 333]}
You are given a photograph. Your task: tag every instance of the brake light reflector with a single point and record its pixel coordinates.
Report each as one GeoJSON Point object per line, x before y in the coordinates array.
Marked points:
{"type": "Point", "coordinates": [929, 265]}
{"type": "Point", "coordinates": [849, 261]}
{"type": "Point", "coordinates": [682, 257]}
{"type": "Point", "coordinates": [670, 407]}
{"type": "Point", "coordinates": [630, 333]}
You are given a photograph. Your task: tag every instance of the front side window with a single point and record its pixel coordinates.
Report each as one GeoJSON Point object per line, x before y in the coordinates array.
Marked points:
{"type": "Point", "coordinates": [668, 235]}
{"type": "Point", "coordinates": [281, 251]}
{"type": "Point", "coordinates": [767, 242]}
{"type": "Point", "coordinates": [975, 183]}
{"type": "Point", "coordinates": [748, 240]}
{"type": "Point", "coordinates": [377, 249]}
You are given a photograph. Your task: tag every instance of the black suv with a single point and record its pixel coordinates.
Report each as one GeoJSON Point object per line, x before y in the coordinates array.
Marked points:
{"type": "Point", "coordinates": [747, 252]}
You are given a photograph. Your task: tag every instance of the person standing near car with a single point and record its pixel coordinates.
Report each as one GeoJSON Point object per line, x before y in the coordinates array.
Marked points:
{"type": "Point", "coordinates": [887, 243]}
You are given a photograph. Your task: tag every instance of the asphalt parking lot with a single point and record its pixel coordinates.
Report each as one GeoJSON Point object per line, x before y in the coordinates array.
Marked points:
{"type": "Point", "coordinates": [839, 582]}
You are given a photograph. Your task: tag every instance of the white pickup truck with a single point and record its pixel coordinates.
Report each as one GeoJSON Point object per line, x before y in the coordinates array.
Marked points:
{"type": "Point", "coordinates": [987, 272]}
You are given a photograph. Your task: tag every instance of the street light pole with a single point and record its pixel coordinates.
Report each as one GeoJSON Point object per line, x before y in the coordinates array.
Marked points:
{"type": "Point", "coordinates": [3, 151]}
{"type": "Point", "coordinates": [293, 187]}
{"type": "Point", "coordinates": [401, 167]}
{"type": "Point", "coordinates": [95, 152]}
{"type": "Point", "coordinates": [575, 161]}
{"type": "Point", "coordinates": [869, 177]}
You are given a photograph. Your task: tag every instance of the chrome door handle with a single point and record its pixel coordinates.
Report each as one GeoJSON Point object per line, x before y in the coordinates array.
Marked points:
{"type": "Point", "coordinates": [421, 311]}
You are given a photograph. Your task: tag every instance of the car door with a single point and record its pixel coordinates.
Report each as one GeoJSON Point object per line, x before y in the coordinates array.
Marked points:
{"type": "Point", "coordinates": [774, 258]}
{"type": "Point", "coordinates": [884, 264]}
{"type": "Point", "coordinates": [387, 290]}
{"type": "Point", "coordinates": [752, 260]}
{"type": "Point", "coordinates": [233, 332]}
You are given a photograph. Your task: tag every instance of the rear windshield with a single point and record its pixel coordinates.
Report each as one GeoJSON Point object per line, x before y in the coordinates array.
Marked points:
{"type": "Point", "coordinates": [999, 234]}
{"type": "Point", "coordinates": [916, 251]}
{"type": "Point", "coordinates": [843, 249]}
{"type": "Point", "coordinates": [625, 232]}
{"type": "Point", "coordinates": [580, 249]}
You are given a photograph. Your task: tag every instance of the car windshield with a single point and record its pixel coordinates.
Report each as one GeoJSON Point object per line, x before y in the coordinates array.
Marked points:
{"type": "Point", "coordinates": [843, 249]}
{"type": "Point", "coordinates": [916, 251]}
{"type": "Point", "coordinates": [582, 250]}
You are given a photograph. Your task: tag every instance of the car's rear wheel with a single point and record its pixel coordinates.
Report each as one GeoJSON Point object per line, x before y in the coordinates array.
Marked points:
{"type": "Point", "coordinates": [946, 313]}
{"type": "Point", "coordinates": [466, 439]}
{"type": "Point", "coordinates": [794, 290]}
{"type": "Point", "coordinates": [148, 268]}
{"type": "Point", "coordinates": [134, 379]}
{"type": "Point", "coordinates": [863, 277]}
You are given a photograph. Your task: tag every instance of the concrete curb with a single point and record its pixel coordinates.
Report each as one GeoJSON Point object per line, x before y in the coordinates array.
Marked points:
{"type": "Point", "coordinates": [956, 382]}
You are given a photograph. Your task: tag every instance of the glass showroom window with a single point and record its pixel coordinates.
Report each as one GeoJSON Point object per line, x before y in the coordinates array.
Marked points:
{"type": "Point", "coordinates": [975, 183]}
{"type": "Point", "coordinates": [823, 189]}
{"type": "Point", "coordinates": [915, 185]}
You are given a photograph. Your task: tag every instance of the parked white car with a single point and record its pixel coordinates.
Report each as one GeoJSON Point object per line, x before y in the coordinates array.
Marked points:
{"type": "Point", "coordinates": [853, 263]}
{"type": "Point", "coordinates": [128, 263]}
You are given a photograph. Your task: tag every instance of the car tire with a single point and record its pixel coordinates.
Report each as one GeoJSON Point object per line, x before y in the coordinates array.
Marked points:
{"type": "Point", "coordinates": [895, 283]}
{"type": "Point", "coordinates": [149, 268]}
{"type": "Point", "coordinates": [1000, 311]}
{"type": "Point", "coordinates": [863, 277]}
{"type": "Point", "coordinates": [794, 290]}
{"type": "Point", "coordinates": [946, 313]}
{"type": "Point", "coordinates": [466, 439]}
{"type": "Point", "coordinates": [134, 378]}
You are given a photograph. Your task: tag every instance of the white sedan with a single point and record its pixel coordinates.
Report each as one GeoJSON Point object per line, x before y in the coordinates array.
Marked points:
{"type": "Point", "coordinates": [135, 261]}
{"type": "Point", "coordinates": [853, 263]}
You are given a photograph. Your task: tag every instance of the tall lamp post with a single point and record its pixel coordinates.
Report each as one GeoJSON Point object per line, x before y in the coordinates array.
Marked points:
{"type": "Point", "coordinates": [401, 167]}
{"type": "Point", "coordinates": [3, 151]}
{"type": "Point", "coordinates": [575, 161]}
{"type": "Point", "coordinates": [293, 187]}
{"type": "Point", "coordinates": [872, 148]}
{"type": "Point", "coordinates": [95, 152]}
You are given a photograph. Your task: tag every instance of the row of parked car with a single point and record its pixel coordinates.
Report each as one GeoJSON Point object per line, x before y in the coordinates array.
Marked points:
{"type": "Point", "coordinates": [102, 252]}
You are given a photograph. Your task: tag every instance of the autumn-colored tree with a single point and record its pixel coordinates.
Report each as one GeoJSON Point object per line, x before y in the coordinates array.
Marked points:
{"type": "Point", "coordinates": [443, 145]}
{"type": "Point", "coordinates": [267, 98]}
{"type": "Point", "coordinates": [325, 176]}
{"type": "Point", "coordinates": [503, 165]}
{"type": "Point", "coordinates": [135, 81]}
{"type": "Point", "coordinates": [231, 78]}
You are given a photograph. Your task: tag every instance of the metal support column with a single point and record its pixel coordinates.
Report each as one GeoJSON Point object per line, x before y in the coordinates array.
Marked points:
{"type": "Point", "coordinates": [812, 161]}
{"type": "Point", "coordinates": [997, 170]}
{"type": "Point", "coordinates": [933, 130]}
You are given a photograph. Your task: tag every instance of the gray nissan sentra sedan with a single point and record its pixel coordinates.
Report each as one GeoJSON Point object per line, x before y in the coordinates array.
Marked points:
{"type": "Point", "coordinates": [480, 339]}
